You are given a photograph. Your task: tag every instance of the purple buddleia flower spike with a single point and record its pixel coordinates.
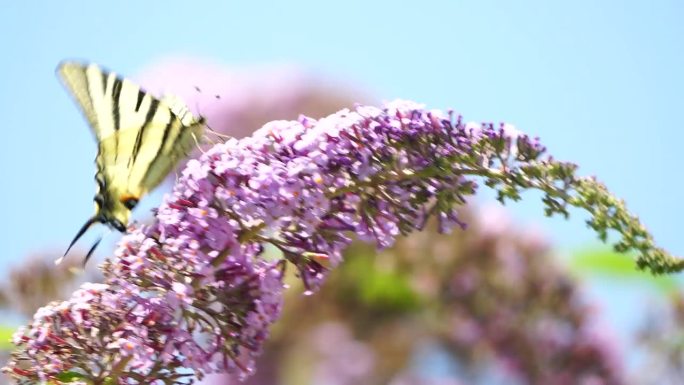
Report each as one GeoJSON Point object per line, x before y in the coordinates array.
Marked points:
{"type": "Point", "coordinates": [193, 293]}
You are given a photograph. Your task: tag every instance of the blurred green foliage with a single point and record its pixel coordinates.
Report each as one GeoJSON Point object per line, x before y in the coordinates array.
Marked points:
{"type": "Point", "coordinates": [386, 290]}
{"type": "Point", "coordinates": [6, 337]}
{"type": "Point", "coordinates": [606, 263]}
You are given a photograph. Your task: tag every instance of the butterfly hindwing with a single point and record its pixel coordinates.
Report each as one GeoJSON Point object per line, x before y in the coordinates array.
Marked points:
{"type": "Point", "coordinates": [140, 138]}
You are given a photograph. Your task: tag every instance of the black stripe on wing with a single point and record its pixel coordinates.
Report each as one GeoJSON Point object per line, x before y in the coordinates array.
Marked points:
{"type": "Point", "coordinates": [105, 75]}
{"type": "Point", "coordinates": [116, 95]}
{"type": "Point", "coordinates": [174, 125]}
{"type": "Point", "coordinates": [175, 131]}
{"type": "Point", "coordinates": [116, 115]}
{"type": "Point", "coordinates": [154, 104]}
{"type": "Point", "coordinates": [141, 96]}
{"type": "Point", "coordinates": [101, 196]}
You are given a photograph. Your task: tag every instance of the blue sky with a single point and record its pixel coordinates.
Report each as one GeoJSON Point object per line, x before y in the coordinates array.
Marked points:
{"type": "Point", "coordinates": [600, 82]}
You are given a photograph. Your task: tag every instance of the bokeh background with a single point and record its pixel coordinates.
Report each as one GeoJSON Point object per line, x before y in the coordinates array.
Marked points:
{"type": "Point", "coordinates": [600, 82]}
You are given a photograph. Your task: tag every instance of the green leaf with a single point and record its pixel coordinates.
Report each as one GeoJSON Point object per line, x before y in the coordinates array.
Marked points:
{"type": "Point", "coordinates": [607, 263]}
{"type": "Point", "coordinates": [70, 376]}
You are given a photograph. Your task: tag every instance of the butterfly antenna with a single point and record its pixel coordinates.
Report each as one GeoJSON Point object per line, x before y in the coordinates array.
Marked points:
{"type": "Point", "coordinates": [218, 134]}
{"type": "Point", "coordinates": [221, 136]}
{"type": "Point", "coordinates": [197, 143]}
{"type": "Point", "coordinates": [202, 120]}
{"type": "Point", "coordinates": [210, 139]}
{"type": "Point", "coordinates": [82, 231]}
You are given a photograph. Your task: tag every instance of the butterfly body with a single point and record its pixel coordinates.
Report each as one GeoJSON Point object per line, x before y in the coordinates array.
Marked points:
{"type": "Point", "coordinates": [140, 138]}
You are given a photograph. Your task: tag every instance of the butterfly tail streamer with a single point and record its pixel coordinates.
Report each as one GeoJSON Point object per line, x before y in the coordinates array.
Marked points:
{"type": "Point", "coordinates": [92, 249]}
{"type": "Point", "coordinates": [80, 233]}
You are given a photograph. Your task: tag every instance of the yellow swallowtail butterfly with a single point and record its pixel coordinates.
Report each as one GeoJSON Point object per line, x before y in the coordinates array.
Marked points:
{"type": "Point", "coordinates": [140, 139]}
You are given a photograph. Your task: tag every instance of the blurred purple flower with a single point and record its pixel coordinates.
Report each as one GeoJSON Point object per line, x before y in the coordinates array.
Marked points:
{"type": "Point", "coordinates": [340, 359]}
{"type": "Point", "coordinates": [36, 281]}
{"type": "Point", "coordinates": [238, 100]}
